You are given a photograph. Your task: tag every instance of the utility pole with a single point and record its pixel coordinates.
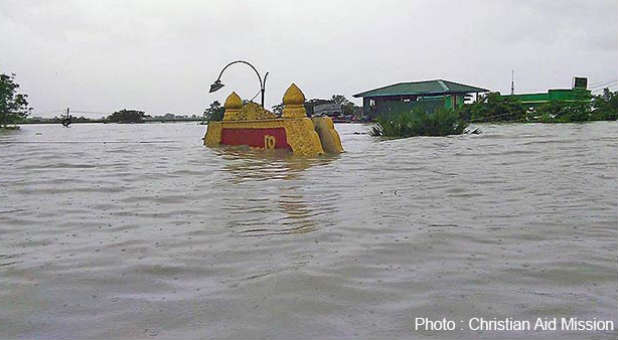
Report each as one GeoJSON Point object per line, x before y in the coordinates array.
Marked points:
{"type": "Point", "coordinates": [512, 82]}
{"type": "Point", "coordinates": [67, 120]}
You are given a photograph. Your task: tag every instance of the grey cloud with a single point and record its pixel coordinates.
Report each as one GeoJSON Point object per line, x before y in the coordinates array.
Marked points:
{"type": "Point", "coordinates": [161, 56]}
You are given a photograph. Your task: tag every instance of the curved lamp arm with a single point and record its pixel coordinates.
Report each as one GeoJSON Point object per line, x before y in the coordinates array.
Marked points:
{"type": "Point", "coordinates": [262, 83]}
{"type": "Point", "coordinates": [244, 62]}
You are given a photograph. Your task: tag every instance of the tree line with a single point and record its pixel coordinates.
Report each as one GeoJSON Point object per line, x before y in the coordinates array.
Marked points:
{"type": "Point", "coordinates": [493, 107]}
{"type": "Point", "coordinates": [15, 109]}
{"type": "Point", "coordinates": [215, 111]}
{"type": "Point", "coordinates": [586, 107]}
{"type": "Point", "coordinates": [496, 108]}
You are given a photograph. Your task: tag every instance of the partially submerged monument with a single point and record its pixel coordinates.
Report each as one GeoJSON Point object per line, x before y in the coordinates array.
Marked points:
{"type": "Point", "coordinates": [256, 127]}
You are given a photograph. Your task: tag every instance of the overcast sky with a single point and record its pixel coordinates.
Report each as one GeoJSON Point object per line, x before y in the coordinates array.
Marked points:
{"type": "Point", "coordinates": [161, 56]}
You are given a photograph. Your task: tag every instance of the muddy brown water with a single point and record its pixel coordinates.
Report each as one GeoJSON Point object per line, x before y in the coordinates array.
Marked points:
{"type": "Point", "coordinates": [138, 231]}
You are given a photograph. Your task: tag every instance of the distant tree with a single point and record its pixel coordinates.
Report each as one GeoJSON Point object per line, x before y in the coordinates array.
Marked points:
{"type": "Point", "coordinates": [605, 106]}
{"type": "Point", "coordinates": [309, 104]}
{"type": "Point", "coordinates": [493, 108]}
{"type": "Point", "coordinates": [312, 103]}
{"type": "Point", "coordinates": [278, 109]}
{"type": "Point", "coordinates": [81, 119]}
{"type": "Point", "coordinates": [13, 105]}
{"type": "Point", "coordinates": [347, 107]}
{"type": "Point", "coordinates": [127, 116]}
{"type": "Point", "coordinates": [339, 99]}
{"type": "Point", "coordinates": [214, 112]}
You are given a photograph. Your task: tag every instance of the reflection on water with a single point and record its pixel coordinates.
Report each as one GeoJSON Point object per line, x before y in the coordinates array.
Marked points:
{"type": "Point", "coordinates": [251, 164]}
{"type": "Point", "coordinates": [246, 164]}
{"type": "Point", "coordinates": [135, 231]}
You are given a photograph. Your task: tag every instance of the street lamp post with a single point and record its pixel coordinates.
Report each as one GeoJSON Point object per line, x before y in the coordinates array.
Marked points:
{"type": "Point", "coordinates": [218, 84]}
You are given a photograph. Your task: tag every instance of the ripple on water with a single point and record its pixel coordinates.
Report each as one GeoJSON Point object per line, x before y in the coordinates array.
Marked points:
{"type": "Point", "coordinates": [136, 231]}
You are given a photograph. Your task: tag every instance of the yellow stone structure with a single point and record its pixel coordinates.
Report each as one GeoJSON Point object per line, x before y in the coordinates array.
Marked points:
{"type": "Point", "coordinates": [331, 143]}
{"type": "Point", "coordinates": [254, 126]}
{"type": "Point", "coordinates": [253, 111]}
{"type": "Point", "coordinates": [233, 106]}
{"type": "Point", "coordinates": [294, 103]}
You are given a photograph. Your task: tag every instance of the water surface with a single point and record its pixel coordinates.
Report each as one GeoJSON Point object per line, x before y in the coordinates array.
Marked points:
{"type": "Point", "coordinates": [138, 231]}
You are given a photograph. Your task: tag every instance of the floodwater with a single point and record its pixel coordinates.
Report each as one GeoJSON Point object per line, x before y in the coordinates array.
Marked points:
{"type": "Point", "coordinates": [138, 231]}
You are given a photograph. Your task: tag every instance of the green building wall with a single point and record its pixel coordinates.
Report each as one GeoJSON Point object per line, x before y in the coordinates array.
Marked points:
{"type": "Point", "coordinates": [536, 99]}
{"type": "Point", "coordinates": [391, 105]}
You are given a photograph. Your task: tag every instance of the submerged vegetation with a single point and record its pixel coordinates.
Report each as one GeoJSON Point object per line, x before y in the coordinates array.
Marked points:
{"type": "Point", "coordinates": [442, 122]}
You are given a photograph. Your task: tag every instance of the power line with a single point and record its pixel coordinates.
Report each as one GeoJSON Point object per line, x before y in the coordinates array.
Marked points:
{"type": "Point", "coordinates": [603, 84]}
{"type": "Point", "coordinates": [611, 88]}
{"type": "Point", "coordinates": [600, 82]}
{"type": "Point", "coordinates": [94, 112]}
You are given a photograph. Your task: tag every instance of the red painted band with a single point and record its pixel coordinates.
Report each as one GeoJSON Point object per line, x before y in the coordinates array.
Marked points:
{"type": "Point", "coordinates": [254, 137]}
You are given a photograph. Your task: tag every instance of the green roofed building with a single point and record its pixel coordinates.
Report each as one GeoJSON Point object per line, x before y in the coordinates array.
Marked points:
{"type": "Point", "coordinates": [428, 94]}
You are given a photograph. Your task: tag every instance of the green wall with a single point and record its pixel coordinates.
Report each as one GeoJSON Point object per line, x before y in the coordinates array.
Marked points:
{"type": "Point", "coordinates": [387, 105]}
{"type": "Point", "coordinates": [534, 99]}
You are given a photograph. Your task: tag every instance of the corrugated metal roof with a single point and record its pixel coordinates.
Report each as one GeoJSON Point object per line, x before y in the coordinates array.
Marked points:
{"type": "Point", "coordinates": [419, 88]}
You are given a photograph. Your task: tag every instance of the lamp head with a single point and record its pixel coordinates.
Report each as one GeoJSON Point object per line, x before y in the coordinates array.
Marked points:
{"type": "Point", "coordinates": [216, 86]}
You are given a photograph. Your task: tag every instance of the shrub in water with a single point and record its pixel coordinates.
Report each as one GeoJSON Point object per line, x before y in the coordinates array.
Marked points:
{"type": "Point", "coordinates": [442, 122]}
